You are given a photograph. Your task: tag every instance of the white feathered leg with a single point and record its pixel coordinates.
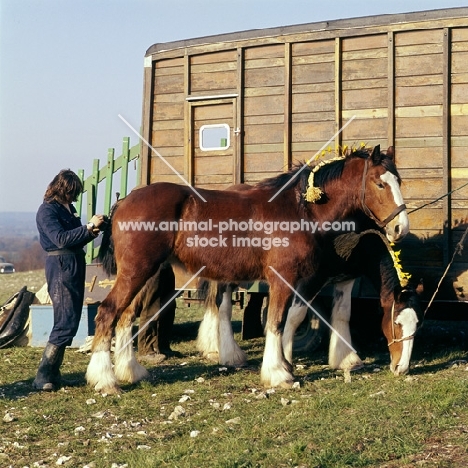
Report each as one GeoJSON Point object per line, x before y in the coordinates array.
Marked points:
{"type": "Point", "coordinates": [276, 371]}
{"type": "Point", "coordinates": [341, 355]}
{"type": "Point", "coordinates": [208, 339]}
{"type": "Point", "coordinates": [127, 368]}
{"type": "Point", "coordinates": [100, 374]}
{"type": "Point", "coordinates": [296, 315]}
{"type": "Point", "coordinates": [230, 354]}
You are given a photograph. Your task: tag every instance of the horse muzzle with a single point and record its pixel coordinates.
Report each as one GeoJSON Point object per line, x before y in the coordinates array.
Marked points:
{"type": "Point", "coordinates": [397, 228]}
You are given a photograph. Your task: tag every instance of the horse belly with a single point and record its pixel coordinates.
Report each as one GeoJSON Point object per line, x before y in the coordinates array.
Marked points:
{"type": "Point", "coordinates": [222, 261]}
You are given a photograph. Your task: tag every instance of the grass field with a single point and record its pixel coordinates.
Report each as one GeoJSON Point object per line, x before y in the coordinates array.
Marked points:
{"type": "Point", "coordinates": [12, 283]}
{"type": "Point", "coordinates": [191, 413]}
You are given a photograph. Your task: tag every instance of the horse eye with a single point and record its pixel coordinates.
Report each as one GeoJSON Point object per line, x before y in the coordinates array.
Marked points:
{"type": "Point", "coordinates": [381, 185]}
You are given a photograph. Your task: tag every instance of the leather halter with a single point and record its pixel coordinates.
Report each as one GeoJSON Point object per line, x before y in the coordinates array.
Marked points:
{"type": "Point", "coordinates": [368, 211]}
{"type": "Point", "coordinates": [394, 339]}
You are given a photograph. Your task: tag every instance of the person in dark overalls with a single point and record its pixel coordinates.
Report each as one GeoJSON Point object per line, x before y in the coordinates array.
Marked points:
{"type": "Point", "coordinates": [63, 237]}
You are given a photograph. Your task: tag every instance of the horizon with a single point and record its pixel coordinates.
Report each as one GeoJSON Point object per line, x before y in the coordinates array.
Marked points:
{"type": "Point", "coordinates": [59, 108]}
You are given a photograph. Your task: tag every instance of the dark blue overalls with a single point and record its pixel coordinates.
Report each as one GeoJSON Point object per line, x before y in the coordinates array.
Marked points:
{"type": "Point", "coordinates": [63, 237]}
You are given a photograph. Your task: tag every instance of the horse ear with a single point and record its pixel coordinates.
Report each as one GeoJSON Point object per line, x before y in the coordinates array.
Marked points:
{"type": "Point", "coordinates": [391, 153]}
{"type": "Point", "coordinates": [376, 155]}
{"type": "Point", "coordinates": [420, 287]}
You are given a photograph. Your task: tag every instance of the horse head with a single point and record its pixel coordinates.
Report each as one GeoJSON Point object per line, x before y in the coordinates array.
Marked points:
{"type": "Point", "coordinates": [402, 317]}
{"type": "Point", "coordinates": [381, 197]}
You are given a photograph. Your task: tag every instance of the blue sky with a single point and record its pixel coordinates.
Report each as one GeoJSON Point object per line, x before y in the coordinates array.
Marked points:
{"type": "Point", "coordinates": [68, 68]}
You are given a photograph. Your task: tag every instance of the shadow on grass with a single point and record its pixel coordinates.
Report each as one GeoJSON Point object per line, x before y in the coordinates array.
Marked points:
{"type": "Point", "coordinates": [188, 331]}
{"type": "Point", "coordinates": [23, 388]}
{"type": "Point", "coordinates": [437, 345]}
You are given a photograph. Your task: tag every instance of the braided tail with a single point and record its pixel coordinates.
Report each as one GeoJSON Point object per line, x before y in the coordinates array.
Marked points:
{"type": "Point", "coordinates": [106, 250]}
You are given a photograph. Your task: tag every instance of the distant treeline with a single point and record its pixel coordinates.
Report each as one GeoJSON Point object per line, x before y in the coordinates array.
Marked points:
{"type": "Point", "coordinates": [25, 254]}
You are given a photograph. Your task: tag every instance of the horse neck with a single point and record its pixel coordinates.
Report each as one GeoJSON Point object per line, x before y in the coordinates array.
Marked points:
{"type": "Point", "coordinates": [382, 272]}
{"type": "Point", "coordinates": [342, 194]}
{"type": "Point", "coordinates": [389, 284]}
{"type": "Point", "coordinates": [342, 202]}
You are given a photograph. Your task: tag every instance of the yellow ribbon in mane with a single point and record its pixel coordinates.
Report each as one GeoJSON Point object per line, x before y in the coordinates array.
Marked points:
{"type": "Point", "coordinates": [345, 244]}
{"type": "Point", "coordinates": [312, 193]}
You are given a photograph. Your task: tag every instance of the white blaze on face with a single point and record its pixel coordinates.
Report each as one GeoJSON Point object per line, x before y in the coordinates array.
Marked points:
{"type": "Point", "coordinates": [402, 219]}
{"type": "Point", "coordinates": [408, 320]}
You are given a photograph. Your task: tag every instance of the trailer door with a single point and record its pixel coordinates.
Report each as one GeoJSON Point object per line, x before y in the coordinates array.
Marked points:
{"type": "Point", "coordinates": [214, 160]}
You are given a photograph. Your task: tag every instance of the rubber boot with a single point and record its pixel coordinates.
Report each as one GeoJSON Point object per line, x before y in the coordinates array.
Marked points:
{"type": "Point", "coordinates": [48, 374]}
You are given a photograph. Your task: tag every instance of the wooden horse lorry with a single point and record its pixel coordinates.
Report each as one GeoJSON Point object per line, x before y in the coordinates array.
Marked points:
{"type": "Point", "coordinates": [240, 107]}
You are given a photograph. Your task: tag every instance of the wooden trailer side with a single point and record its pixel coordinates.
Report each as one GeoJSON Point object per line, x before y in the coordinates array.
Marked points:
{"type": "Point", "coordinates": [282, 93]}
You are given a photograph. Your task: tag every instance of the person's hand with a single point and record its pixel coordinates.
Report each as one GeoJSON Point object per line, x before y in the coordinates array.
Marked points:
{"type": "Point", "coordinates": [97, 220]}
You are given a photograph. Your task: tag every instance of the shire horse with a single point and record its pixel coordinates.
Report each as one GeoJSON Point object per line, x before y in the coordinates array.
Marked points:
{"type": "Point", "coordinates": [368, 255]}
{"type": "Point", "coordinates": [402, 312]}
{"type": "Point", "coordinates": [361, 182]}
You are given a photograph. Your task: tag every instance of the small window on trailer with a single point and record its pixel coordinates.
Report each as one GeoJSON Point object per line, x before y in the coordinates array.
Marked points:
{"type": "Point", "coordinates": [215, 137]}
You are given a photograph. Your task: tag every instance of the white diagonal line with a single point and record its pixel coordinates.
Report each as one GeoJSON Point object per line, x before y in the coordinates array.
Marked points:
{"type": "Point", "coordinates": [312, 158]}
{"type": "Point", "coordinates": [314, 311]}
{"type": "Point", "coordinates": [168, 164]}
{"type": "Point", "coordinates": [156, 315]}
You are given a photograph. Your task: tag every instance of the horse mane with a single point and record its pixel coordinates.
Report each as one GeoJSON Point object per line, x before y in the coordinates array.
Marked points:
{"type": "Point", "coordinates": [106, 250]}
{"type": "Point", "coordinates": [326, 173]}
{"type": "Point", "coordinates": [389, 276]}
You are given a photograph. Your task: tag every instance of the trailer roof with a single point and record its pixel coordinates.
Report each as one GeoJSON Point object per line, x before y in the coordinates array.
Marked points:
{"type": "Point", "coordinates": [350, 23]}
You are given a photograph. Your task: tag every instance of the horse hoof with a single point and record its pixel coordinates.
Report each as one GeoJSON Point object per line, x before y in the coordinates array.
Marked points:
{"type": "Point", "coordinates": [214, 356]}
{"type": "Point", "coordinates": [116, 390]}
{"type": "Point", "coordinates": [287, 384]}
{"type": "Point", "coordinates": [237, 364]}
{"type": "Point", "coordinates": [355, 367]}
{"type": "Point", "coordinates": [281, 379]}
{"type": "Point", "coordinates": [153, 358]}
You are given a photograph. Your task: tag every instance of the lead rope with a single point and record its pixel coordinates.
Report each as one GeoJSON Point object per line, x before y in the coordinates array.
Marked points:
{"type": "Point", "coordinates": [458, 250]}
{"type": "Point", "coordinates": [437, 199]}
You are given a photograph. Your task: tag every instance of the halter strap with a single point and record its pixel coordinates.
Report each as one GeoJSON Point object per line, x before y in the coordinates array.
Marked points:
{"type": "Point", "coordinates": [397, 340]}
{"type": "Point", "coordinates": [368, 211]}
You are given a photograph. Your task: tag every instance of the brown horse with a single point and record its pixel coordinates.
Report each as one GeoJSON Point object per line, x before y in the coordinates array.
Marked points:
{"type": "Point", "coordinates": [371, 257]}
{"type": "Point", "coordinates": [402, 314]}
{"type": "Point", "coordinates": [262, 234]}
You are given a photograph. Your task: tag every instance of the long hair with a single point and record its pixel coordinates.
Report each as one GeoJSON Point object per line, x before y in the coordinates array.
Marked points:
{"type": "Point", "coordinates": [64, 188]}
{"type": "Point", "coordinates": [106, 250]}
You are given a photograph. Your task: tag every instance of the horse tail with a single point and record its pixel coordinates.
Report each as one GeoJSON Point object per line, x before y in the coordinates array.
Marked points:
{"type": "Point", "coordinates": [106, 250]}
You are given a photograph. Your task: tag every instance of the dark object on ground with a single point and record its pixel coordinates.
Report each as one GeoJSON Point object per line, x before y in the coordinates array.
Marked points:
{"type": "Point", "coordinates": [14, 316]}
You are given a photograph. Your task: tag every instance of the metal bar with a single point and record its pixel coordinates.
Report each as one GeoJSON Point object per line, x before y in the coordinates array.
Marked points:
{"type": "Point", "coordinates": [91, 184]}
{"type": "Point", "coordinates": [79, 201]}
{"type": "Point", "coordinates": [135, 155]}
{"type": "Point", "coordinates": [91, 204]}
{"type": "Point", "coordinates": [109, 178]}
{"type": "Point", "coordinates": [125, 161]}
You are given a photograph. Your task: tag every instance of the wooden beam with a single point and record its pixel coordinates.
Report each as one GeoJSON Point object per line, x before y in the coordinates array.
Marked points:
{"type": "Point", "coordinates": [338, 91]}
{"type": "Point", "coordinates": [287, 105]}
{"type": "Point", "coordinates": [146, 120]}
{"type": "Point", "coordinates": [238, 140]}
{"type": "Point", "coordinates": [188, 116]}
{"type": "Point", "coordinates": [447, 184]}
{"type": "Point", "coordinates": [391, 90]}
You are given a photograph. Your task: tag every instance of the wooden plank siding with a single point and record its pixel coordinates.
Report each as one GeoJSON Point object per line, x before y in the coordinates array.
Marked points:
{"type": "Point", "coordinates": [264, 101]}
{"type": "Point", "coordinates": [284, 92]}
